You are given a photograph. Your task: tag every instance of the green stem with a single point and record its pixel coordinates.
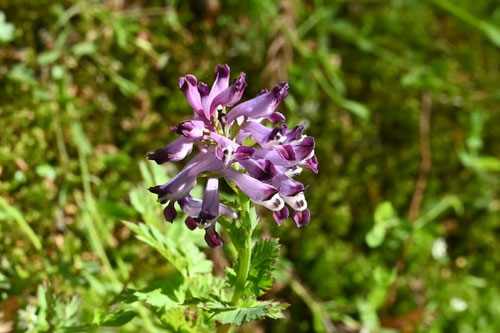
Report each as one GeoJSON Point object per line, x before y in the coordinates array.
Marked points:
{"type": "Point", "coordinates": [244, 250]}
{"type": "Point", "coordinates": [245, 254]}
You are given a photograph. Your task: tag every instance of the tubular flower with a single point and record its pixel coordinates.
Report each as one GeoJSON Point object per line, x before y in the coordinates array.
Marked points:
{"type": "Point", "coordinates": [235, 143]}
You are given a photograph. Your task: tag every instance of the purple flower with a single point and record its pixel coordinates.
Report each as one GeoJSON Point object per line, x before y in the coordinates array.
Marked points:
{"type": "Point", "coordinates": [236, 142]}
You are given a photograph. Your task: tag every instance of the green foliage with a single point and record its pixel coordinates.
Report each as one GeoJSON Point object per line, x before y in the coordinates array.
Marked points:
{"type": "Point", "coordinates": [6, 30]}
{"type": "Point", "coordinates": [245, 311]}
{"type": "Point", "coordinates": [384, 219]}
{"type": "Point", "coordinates": [114, 319]}
{"type": "Point", "coordinates": [193, 287]}
{"type": "Point", "coordinates": [9, 212]}
{"type": "Point", "coordinates": [264, 257]}
{"type": "Point", "coordinates": [188, 260]}
{"type": "Point", "coordinates": [51, 314]}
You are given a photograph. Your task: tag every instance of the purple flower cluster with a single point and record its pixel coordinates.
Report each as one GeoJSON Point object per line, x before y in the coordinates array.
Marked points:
{"type": "Point", "coordinates": [234, 143]}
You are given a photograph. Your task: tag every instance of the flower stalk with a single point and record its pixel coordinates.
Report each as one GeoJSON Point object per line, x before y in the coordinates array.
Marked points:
{"type": "Point", "coordinates": [244, 254]}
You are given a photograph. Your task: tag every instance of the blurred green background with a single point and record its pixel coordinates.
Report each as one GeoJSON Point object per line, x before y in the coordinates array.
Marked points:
{"type": "Point", "coordinates": [402, 97]}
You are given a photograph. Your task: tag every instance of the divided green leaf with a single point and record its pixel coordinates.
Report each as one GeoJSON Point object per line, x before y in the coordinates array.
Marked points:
{"type": "Point", "coordinates": [184, 256]}
{"type": "Point", "coordinates": [251, 310]}
{"type": "Point", "coordinates": [115, 319]}
{"type": "Point", "coordinates": [262, 265]}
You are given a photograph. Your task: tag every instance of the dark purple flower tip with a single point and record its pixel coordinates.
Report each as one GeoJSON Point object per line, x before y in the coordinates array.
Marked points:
{"type": "Point", "coordinates": [295, 133]}
{"type": "Point", "coordinates": [240, 83]}
{"type": "Point", "coordinates": [243, 153]}
{"type": "Point", "coordinates": [221, 71]}
{"type": "Point", "coordinates": [270, 194]}
{"type": "Point", "coordinates": [207, 216]}
{"type": "Point", "coordinates": [191, 79]}
{"type": "Point", "coordinates": [280, 91]}
{"type": "Point", "coordinates": [305, 149]}
{"type": "Point", "coordinates": [295, 189]}
{"type": "Point", "coordinates": [156, 190]}
{"type": "Point", "coordinates": [175, 151]}
{"type": "Point", "coordinates": [262, 170]}
{"type": "Point", "coordinates": [245, 150]}
{"type": "Point", "coordinates": [191, 223]}
{"type": "Point", "coordinates": [188, 85]}
{"type": "Point", "coordinates": [212, 237]}
{"type": "Point", "coordinates": [302, 218]}
{"type": "Point", "coordinates": [312, 164]}
{"type": "Point", "coordinates": [159, 156]}
{"type": "Point", "coordinates": [183, 126]}
{"type": "Point", "coordinates": [181, 82]}
{"type": "Point", "coordinates": [281, 215]}
{"type": "Point", "coordinates": [276, 117]}
{"type": "Point", "coordinates": [169, 212]}
{"type": "Point", "coordinates": [159, 190]}
{"type": "Point", "coordinates": [229, 96]}
{"type": "Point", "coordinates": [186, 81]}
{"type": "Point", "coordinates": [267, 173]}
{"type": "Point", "coordinates": [162, 155]}
{"type": "Point", "coordinates": [290, 189]}
{"type": "Point", "coordinates": [203, 89]}
{"type": "Point", "coordinates": [192, 129]}
{"type": "Point", "coordinates": [286, 152]}
{"type": "Point", "coordinates": [262, 92]}
{"type": "Point", "coordinates": [277, 133]}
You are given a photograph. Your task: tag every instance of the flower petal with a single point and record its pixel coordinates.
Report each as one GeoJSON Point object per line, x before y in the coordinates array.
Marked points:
{"type": "Point", "coordinates": [169, 212]}
{"type": "Point", "coordinates": [189, 86]}
{"type": "Point", "coordinates": [180, 186]}
{"type": "Point", "coordinates": [225, 210]}
{"type": "Point", "coordinates": [292, 171]}
{"type": "Point", "coordinates": [276, 117]}
{"type": "Point", "coordinates": [295, 134]}
{"type": "Point", "coordinates": [192, 207]}
{"type": "Point", "coordinates": [288, 155]}
{"type": "Point", "coordinates": [242, 153]}
{"type": "Point", "coordinates": [175, 151]}
{"type": "Point", "coordinates": [191, 223]}
{"type": "Point", "coordinates": [286, 152]}
{"type": "Point", "coordinates": [204, 91]}
{"type": "Point", "coordinates": [229, 151]}
{"type": "Point", "coordinates": [264, 135]}
{"type": "Point", "coordinates": [229, 96]}
{"type": "Point", "coordinates": [211, 201]}
{"type": "Point", "coordinates": [312, 164]}
{"type": "Point", "coordinates": [302, 218]}
{"type": "Point", "coordinates": [192, 129]}
{"type": "Point", "coordinates": [212, 237]}
{"type": "Point", "coordinates": [297, 202]}
{"type": "Point", "coordinates": [261, 106]}
{"type": "Point", "coordinates": [259, 192]}
{"type": "Point", "coordinates": [287, 186]}
{"type": "Point", "coordinates": [305, 149]}
{"type": "Point", "coordinates": [262, 170]}
{"type": "Point", "coordinates": [221, 82]}
{"type": "Point", "coordinates": [281, 215]}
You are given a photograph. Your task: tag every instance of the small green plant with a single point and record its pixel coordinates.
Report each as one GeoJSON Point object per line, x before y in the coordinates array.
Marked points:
{"type": "Point", "coordinates": [230, 142]}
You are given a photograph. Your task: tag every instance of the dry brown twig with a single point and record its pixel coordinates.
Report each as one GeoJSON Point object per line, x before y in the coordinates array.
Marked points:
{"type": "Point", "coordinates": [425, 152]}
{"type": "Point", "coordinates": [280, 52]}
{"type": "Point", "coordinates": [420, 185]}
